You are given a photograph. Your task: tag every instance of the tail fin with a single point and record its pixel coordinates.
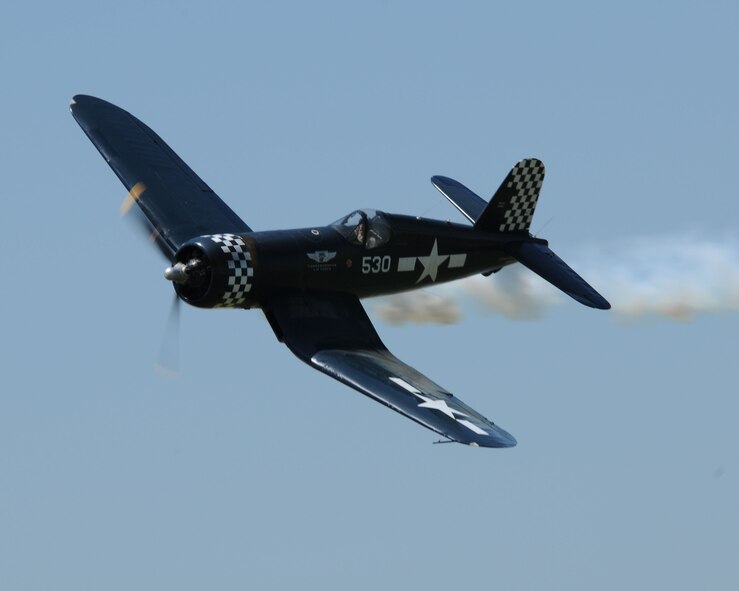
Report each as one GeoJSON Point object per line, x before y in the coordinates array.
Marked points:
{"type": "Point", "coordinates": [510, 212]}
{"type": "Point", "coordinates": [512, 207]}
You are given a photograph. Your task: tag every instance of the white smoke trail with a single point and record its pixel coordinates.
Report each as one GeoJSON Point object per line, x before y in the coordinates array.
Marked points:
{"type": "Point", "coordinates": [669, 277]}
{"type": "Point", "coordinates": [419, 307]}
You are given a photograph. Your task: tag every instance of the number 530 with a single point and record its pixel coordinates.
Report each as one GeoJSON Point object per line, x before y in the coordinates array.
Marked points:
{"type": "Point", "coordinates": [376, 264]}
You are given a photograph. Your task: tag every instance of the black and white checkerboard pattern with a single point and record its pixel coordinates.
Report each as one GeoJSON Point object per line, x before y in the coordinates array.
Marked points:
{"type": "Point", "coordinates": [240, 270]}
{"type": "Point", "coordinates": [526, 180]}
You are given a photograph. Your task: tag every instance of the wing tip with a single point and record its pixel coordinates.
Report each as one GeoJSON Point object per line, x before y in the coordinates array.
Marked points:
{"type": "Point", "coordinates": [82, 99]}
{"type": "Point", "coordinates": [499, 438]}
{"type": "Point", "coordinates": [79, 102]}
{"type": "Point", "coordinates": [85, 105]}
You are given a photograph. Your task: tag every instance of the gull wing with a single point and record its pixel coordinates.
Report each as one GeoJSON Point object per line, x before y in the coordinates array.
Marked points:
{"type": "Point", "coordinates": [177, 202]}
{"type": "Point", "coordinates": [332, 333]}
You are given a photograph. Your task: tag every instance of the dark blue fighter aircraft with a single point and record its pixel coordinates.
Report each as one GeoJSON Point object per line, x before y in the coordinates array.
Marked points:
{"type": "Point", "coordinates": [308, 282]}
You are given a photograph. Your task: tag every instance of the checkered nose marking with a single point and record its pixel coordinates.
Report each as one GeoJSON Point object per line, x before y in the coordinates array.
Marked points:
{"type": "Point", "coordinates": [240, 269]}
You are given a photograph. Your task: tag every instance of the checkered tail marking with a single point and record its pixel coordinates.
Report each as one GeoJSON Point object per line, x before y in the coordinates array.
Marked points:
{"type": "Point", "coordinates": [240, 269]}
{"type": "Point", "coordinates": [526, 180]}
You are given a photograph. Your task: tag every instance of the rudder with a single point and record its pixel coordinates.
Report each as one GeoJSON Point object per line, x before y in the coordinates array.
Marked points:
{"type": "Point", "coordinates": [512, 207]}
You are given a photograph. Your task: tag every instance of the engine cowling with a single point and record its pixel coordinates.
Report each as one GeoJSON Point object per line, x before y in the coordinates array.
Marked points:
{"type": "Point", "coordinates": [214, 271]}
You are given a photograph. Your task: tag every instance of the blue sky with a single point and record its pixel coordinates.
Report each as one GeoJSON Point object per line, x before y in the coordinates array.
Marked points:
{"type": "Point", "coordinates": [251, 469]}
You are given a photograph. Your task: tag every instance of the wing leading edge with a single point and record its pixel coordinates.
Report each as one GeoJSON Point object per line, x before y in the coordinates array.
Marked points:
{"type": "Point", "coordinates": [332, 333]}
{"type": "Point", "coordinates": [175, 200]}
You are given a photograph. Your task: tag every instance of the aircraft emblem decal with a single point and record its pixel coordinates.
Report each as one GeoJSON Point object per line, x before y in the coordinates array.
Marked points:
{"type": "Point", "coordinates": [321, 256]}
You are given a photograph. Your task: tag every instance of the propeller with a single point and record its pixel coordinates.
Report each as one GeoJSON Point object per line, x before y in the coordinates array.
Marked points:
{"type": "Point", "coordinates": [168, 360]}
{"type": "Point", "coordinates": [142, 223]}
{"type": "Point", "coordinates": [169, 349]}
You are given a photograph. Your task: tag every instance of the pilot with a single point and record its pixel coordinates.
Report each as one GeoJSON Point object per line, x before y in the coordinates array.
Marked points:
{"type": "Point", "coordinates": [360, 232]}
{"type": "Point", "coordinates": [372, 239]}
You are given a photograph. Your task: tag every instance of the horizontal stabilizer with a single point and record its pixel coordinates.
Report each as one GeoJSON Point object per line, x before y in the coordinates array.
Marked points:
{"type": "Point", "coordinates": [470, 204]}
{"type": "Point", "coordinates": [538, 257]}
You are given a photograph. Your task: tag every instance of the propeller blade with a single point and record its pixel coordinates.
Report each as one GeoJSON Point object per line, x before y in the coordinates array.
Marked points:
{"type": "Point", "coordinates": [150, 232]}
{"type": "Point", "coordinates": [133, 196]}
{"type": "Point", "coordinates": [168, 360]}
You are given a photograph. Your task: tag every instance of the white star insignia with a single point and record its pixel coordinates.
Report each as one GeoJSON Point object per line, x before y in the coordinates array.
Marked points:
{"type": "Point", "coordinates": [431, 263]}
{"type": "Point", "coordinates": [442, 406]}
{"type": "Point", "coordinates": [438, 404]}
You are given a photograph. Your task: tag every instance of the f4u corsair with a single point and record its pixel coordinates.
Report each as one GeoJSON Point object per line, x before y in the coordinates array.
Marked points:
{"type": "Point", "coordinates": [308, 282]}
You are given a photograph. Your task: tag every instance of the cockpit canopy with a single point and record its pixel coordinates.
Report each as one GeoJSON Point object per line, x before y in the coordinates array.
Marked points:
{"type": "Point", "coordinates": [365, 227]}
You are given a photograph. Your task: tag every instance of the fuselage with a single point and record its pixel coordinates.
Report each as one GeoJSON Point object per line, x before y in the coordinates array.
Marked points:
{"type": "Point", "coordinates": [417, 253]}
{"type": "Point", "coordinates": [395, 253]}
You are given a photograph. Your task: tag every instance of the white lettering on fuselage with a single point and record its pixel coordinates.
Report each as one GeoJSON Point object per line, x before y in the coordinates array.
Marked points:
{"type": "Point", "coordinates": [376, 264]}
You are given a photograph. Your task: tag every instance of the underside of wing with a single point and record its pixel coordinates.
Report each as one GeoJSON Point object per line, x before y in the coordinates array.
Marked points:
{"type": "Point", "coordinates": [176, 201]}
{"type": "Point", "coordinates": [333, 333]}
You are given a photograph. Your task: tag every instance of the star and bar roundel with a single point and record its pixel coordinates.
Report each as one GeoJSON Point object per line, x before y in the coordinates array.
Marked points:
{"type": "Point", "coordinates": [432, 262]}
